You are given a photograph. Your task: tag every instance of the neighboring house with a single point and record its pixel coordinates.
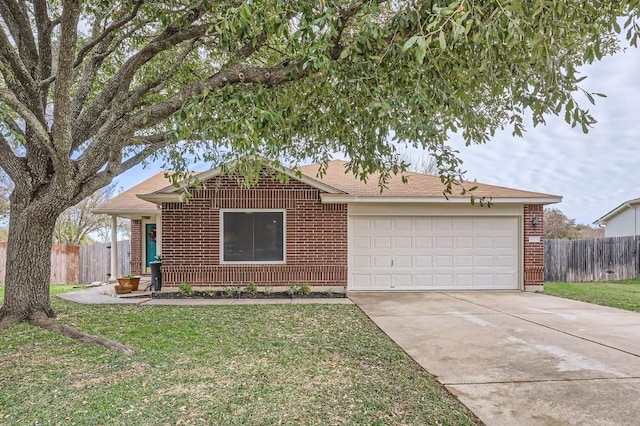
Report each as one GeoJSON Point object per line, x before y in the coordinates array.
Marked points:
{"type": "Point", "coordinates": [336, 231]}
{"type": "Point", "coordinates": [622, 221]}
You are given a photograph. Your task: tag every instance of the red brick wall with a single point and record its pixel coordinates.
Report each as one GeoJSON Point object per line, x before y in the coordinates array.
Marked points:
{"type": "Point", "coordinates": [136, 247]}
{"type": "Point", "coordinates": [533, 251]}
{"type": "Point", "coordinates": [316, 236]}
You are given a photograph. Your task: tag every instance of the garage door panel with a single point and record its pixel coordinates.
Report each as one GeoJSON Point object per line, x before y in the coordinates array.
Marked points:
{"type": "Point", "coordinates": [422, 224]}
{"type": "Point", "coordinates": [444, 242]}
{"type": "Point", "coordinates": [382, 280]}
{"type": "Point", "coordinates": [360, 224]}
{"type": "Point", "coordinates": [361, 281]}
{"type": "Point", "coordinates": [423, 261]}
{"type": "Point", "coordinates": [464, 242]}
{"type": "Point", "coordinates": [433, 252]}
{"type": "Point", "coordinates": [361, 261]}
{"type": "Point", "coordinates": [464, 261]}
{"type": "Point", "coordinates": [383, 261]}
{"type": "Point", "coordinates": [382, 224]}
{"type": "Point", "coordinates": [484, 280]}
{"type": "Point", "coordinates": [382, 242]}
{"type": "Point", "coordinates": [504, 242]}
{"type": "Point", "coordinates": [362, 242]}
{"type": "Point", "coordinates": [421, 242]}
{"type": "Point", "coordinates": [403, 261]}
{"type": "Point", "coordinates": [464, 280]}
{"type": "Point", "coordinates": [484, 242]}
{"type": "Point", "coordinates": [444, 261]}
{"type": "Point", "coordinates": [484, 261]}
{"type": "Point", "coordinates": [503, 281]}
{"type": "Point", "coordinates": [402, 224]}
{"type": "Point", "coordinates": [402, 242]}
{"type": "Point", "coordinates": [444, 224]}
{"type": "Point", "coordinates": [422, 280]}
{"type": "Point", "coordinates": [505, 261]}
{"type": "Point", "coordinates": [464, 225]}
{"type": "Point", "coordinates": [403, 280]}
{"type": "Point", "coordinates": [443, 280]}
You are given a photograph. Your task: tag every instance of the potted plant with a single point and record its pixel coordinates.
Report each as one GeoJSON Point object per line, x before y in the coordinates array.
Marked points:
{"type": "Point", "coordinates": [122, 288]}
{"type": "Point", "coordinates": [131, 281]}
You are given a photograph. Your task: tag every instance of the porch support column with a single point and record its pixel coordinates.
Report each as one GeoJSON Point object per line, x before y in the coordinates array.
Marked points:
{"type": "Point", "coordinates": [159, 232]}
{"type": "Point", "coordinates": [114, 248]}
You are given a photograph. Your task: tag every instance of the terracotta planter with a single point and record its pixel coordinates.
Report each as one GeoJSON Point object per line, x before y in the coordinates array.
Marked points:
{"type": "Point", "coordinates": [122, 289]}
{"type": "Point", "coordinates": [134, 282]}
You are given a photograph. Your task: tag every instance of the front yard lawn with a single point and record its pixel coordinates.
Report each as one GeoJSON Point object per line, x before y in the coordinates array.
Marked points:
{"type": "Point", "coordinates": [623, 294]}
{"type": "Point", "coordinates": [54, 289]}
{"type": "Point", "coordinates": [229, 365]}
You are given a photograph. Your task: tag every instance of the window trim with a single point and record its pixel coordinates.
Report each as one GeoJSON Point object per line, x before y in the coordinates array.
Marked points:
{"type": "Point", "coordinates": [254, 262]}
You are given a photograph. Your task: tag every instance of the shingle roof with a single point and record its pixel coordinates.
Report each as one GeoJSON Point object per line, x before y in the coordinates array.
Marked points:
{"type": "Point", "coordinates": [128, 201]}
{"type": "Point", "coordinates": [418, 185]}
{"type": "Point", "coordinates": [616, 211]}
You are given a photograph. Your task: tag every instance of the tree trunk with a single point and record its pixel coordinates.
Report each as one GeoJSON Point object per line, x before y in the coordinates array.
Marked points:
{"type": "Point", "coordinates": [28, 267]}
{"type": "Point", "coordinates": [28, 271]}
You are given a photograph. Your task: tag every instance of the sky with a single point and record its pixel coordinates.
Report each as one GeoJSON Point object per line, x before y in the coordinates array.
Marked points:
{"type": "Point", "coordinates": [593, 172]}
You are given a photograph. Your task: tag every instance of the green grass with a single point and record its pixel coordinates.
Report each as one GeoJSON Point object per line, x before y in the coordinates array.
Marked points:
{"type": "Point", "coordinates": [228, 365]}
{"type": "Point", "coordinates": [623, 294]}
{"type": "Point", "coordinates": [54, 289]}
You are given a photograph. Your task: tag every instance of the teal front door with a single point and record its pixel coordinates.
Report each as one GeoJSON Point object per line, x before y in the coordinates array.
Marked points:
{"type": "Point", "coordinates": [150, 246]}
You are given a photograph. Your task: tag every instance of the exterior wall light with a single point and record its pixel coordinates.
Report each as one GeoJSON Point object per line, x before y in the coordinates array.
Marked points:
{"type": "Point", "coordinates": [534, 221]}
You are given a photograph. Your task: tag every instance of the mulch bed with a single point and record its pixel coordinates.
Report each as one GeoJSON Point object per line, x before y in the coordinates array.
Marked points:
{"type": "Point", "coordinates": [244, 295]}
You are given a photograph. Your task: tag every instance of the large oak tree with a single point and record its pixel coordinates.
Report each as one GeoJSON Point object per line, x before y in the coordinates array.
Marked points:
{"type": "Point", "coordinates": [91, 88]}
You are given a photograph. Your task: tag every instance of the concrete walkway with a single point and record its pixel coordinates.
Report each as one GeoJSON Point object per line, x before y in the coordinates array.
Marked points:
{"type": "Point", "coordinates": [105, 295]}
{"type": "Point", "coordinates": [520, 358]}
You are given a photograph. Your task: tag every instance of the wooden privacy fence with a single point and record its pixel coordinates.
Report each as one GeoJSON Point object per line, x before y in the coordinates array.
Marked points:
{"type": "Point", "coordinates": [95, 261]}
{"type": "Point", "coordinates": [79, 264]}
{"type": "Point", "coordinates": [597, 259]}
{"type": "Point", "coordinates": [64, 263]}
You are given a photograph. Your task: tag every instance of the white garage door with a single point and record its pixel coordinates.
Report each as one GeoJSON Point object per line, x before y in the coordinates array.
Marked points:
{"type": "Point", "coordinates": [438, 253]}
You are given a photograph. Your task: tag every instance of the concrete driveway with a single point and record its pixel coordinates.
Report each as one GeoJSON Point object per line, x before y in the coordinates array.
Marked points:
{"type": "Point", "coordinates": [520, 358]}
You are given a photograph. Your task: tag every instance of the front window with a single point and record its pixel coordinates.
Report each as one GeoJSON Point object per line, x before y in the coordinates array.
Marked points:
{"type": "Point", "coordinates": [253, 236]}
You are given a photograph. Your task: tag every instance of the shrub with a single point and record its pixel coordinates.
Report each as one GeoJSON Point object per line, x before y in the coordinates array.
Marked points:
{"type": "Point", "coordinates": [252, 288]}
{"type": "Point", "coordinates": [229, 291]}
{"type": "Point", "coordinates": [186, 289]}
{"type": "Point", "coordinates": [303, 289]}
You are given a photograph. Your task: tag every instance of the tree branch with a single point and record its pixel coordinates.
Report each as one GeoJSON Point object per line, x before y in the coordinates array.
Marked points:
{"type": "Point", "coordinates": [17, 17]}
{"type": "Point", "coordinates": [143, 89]}
{"type": "Point", "coordinates": [107, 31]}
{"type": "Point", "coordinates": [45, 62]}
{"type": "Point", "coordinates": [146, 152]}
{"type": "Point", "coordinates": [10, 163]}
{"type": "Point", "coordinates": [11, 57]}
{"type": "Point", "coordinates": [119, 83]}
{"type": "Point", "coordinates": [236, 74]}
{"type": "Point", "coordinates": [346, 13]}
{"type": "Point", "coordinates": [90, 71]}
{"type": "Point", "coordinates": [11, 124]}
{"type": "Point", "coordinates": [10, 99]}
{"type": "Point", "coordinates": [61, 128]}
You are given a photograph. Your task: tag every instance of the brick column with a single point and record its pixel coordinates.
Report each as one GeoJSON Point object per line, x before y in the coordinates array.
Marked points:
{"type": "Point", "coordinates": [533, 247]}
{"type": "Point", "coordinates": [136, 247]}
